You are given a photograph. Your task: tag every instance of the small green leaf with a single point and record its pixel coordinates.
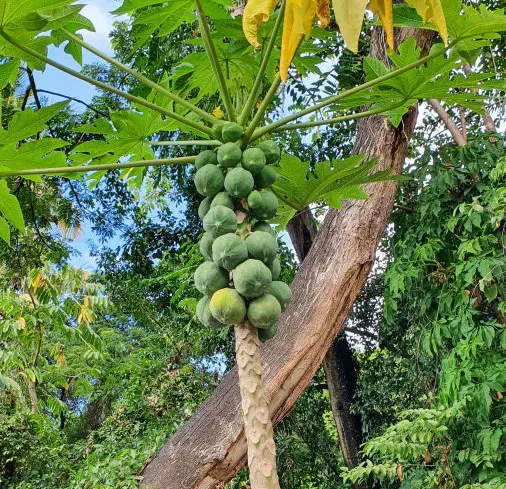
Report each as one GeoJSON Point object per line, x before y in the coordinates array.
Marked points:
{"type": "Point", "coordinates": [10, 208]}
{"type": "Point", "coordinates": [5, 232]}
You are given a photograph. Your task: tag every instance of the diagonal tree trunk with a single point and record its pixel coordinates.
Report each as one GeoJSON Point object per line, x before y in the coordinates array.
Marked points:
{"type": "Point", "coordinates": [210, 448]}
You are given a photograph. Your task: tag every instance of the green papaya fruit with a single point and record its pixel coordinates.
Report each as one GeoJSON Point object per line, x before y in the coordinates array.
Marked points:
{"type": "Point", "coordinates": [231, 132]}
{"type": "Point", "coordinates": [209, 180]}
{"type": "Point", "coordinates": [266, 177]}
{"type": "Point", "coordinates": [275, 268]}
{"type": "Point", "coordinates": [251, 278]}
{"type": "Point", "coordinates": [209, 277]}
{"type": "Point", "coordinates": [229, 250]}
{"type": "Point", "coordinates": [266, 334]}
{"type": "Point", "coordinates": [206, 157]}
{"type": "Point", "coordinates": [281, 292]}
{"type": "Point", "coordinates": [204, 207]}
{"type": "Point", "coordinates": [254, 199]}
{"type": "Point", "coordinates": [264, 311]}
{"type": "Point", "coordinates": [217, 130]}
{"type": "Point", "coordinates": [220, 220]}
{"type": "Point", "coordinates": [222, 198]}
{"type": "Point", "coordinates": [229, 154]}
{"type": "Point", "coordinates": [263, 226]}
{"type": "Point", "coordinates": [271, 150]}
{"type": "Point", "coordinates": [268, 207]}
{"type": "Point", "coordinates": [239, 182]}
{"type": "Point", "coordinates": [262, 246]}
{"type": "Point", "coordinates": [206, 246]}
{"type": "Point", "coordinates": [253, 160]}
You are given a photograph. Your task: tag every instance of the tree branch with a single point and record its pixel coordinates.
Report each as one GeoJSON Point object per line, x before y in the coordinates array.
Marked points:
{"type": "Point", "coordinates": [447, 121]}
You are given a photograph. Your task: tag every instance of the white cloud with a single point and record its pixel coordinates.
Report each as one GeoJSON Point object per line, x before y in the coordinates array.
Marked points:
{"type": "Point", "coordinates": [96, 11]}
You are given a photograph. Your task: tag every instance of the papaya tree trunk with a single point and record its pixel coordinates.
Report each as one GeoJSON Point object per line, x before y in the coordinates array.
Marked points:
{"type": "Point", "coordinates": [211, 447]}
{"type": "Point", "coordinates": [255, 410]}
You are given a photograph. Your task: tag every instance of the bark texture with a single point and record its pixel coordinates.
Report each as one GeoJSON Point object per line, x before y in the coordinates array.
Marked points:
{"type": "Point", "coordinates": [339, 364]}
{"type": "Point", "coordinates": [210, 448]}
{"type": "Point", "coordinates": [255, 410]}
{"type": "Point", "coordinates": [341, 373]}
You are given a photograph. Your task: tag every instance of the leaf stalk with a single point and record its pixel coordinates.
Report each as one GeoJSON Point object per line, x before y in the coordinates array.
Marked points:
{"type": "Point", "coordinates": [184, 160]}
{"type": "Point", "coordinates": [132, 98]}
{"type": "Point", "coordinates": [150, 83]}
{"type": "Point", "coordinates": [213, 59]}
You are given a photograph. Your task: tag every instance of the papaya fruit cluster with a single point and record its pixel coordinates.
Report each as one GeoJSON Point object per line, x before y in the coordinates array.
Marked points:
{"type": "Point", "coordinates": [240, 277]}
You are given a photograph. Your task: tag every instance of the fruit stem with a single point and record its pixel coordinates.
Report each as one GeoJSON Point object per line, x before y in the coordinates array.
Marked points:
{"type": "Point", "coordinates": [257, 421]}
{"type": "Point", "coordinates": [213, 59]}
{"type": "Point", "coordinates": [253, 96]}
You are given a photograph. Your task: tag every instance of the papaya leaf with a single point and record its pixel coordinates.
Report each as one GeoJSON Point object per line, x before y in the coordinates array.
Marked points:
{"type": "Point", "coordinates": [29, 122]}
{"type": "Point", "coordinates": [349, 16]}
{"type": "Point", "coordinates": [5, 232]}
{"type": "Point", "coordinates": [329, 183]}
{"type": "Point", "coordinates": [10, 208]}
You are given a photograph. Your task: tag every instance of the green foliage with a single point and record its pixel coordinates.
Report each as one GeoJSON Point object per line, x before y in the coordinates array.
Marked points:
{"type": "Point", "coordinates": [444, 304]}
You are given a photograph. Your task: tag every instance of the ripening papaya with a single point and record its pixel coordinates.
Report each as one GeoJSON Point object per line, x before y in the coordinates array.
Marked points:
{"type": "Point", "coordinates": [254, 199]}
{"type": "Point", "coordinates": [204, 314]}
{"type": "Point", "coordinates": [264, 311]}
{"type": "Point", "coordinates": [227, 306]}
{"type": "Point", "coordinates": [217, 130]}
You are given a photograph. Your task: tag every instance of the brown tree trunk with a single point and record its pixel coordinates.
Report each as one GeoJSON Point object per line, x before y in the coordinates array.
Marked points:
{"type": "Point", "coordinates": [339, 364]}
{"type": "Point", "coordinates": [210, 448]}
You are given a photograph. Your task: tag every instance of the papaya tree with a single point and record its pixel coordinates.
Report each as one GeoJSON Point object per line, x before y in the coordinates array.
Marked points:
{"type": "Point", "coordinates": [241, 172]}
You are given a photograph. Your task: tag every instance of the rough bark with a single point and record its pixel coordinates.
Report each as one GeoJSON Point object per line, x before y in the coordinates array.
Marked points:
{"type": "Point", "coordinates": [339, 364]}
{"type": "Point", "coordinates": [341, 373]}
{"type": "Point", "coordinates": [255, 410]}
{"type": "Point", "coordinates": [210, 448]}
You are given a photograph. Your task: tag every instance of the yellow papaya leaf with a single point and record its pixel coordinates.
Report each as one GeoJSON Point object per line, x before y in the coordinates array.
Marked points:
{"type": "Point", "coordinates": [298, 21]}
{"type": "Point", "coordinates": [349, 16]}
{"type": "Point", "coordinates": [431, 11]}
{"type": "Point", "coordinates": [323, 13]}
{"type": "Point", "coordinates": [36, 282]}
{"type": "Point", "coordinates": [383, 8]}
{"type": "Point", "coordinates": [256, 12]}
{"type": "Point", "coordinates": [218, 113]}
